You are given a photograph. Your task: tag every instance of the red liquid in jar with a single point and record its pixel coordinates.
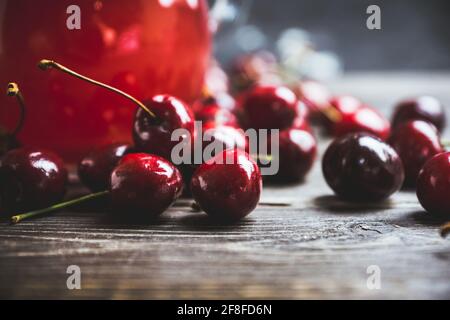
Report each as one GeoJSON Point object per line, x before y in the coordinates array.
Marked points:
{"type": "Point", "coordinates": [143, 47]}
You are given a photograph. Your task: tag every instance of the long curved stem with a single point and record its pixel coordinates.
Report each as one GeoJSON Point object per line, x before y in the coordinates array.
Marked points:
{"type": "Point", "coordinates": [17, 218]}
{"type": "Point", "coordinates": [49, 64]}
{"type": "Point", "coordinates": [14, 91]}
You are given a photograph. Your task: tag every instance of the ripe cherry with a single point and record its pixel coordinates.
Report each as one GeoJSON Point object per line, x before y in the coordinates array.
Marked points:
{"type": "Point", "coordinates": [358, 118]}
{"type": "Point", "coordinates": [227, 190]}
{"type": "Point", "coordinates": [297, 152]}
{"type": "Point", "coordinates": [214, 115]}
{"type": "Point", "coordinates": [95, 169]}
{"type": "Point", "coordinates": [361, 167]}
{"type": "Point", "coordinates": [315, 96]}
{"type": "Point", "coordinates": [153, 134]}
{"type": "Point", "coordinates": [31, 178]}
{"type": "Point", "coordinates": [269, 107]}
{"type": "Point", "coordinates": [422, 108]}
{"type": "Point", "coordinates": [144, 186]}
{"type": "Point", "coordinates": [415, 142]}
{"type": "Point", "coordinates": [223, 138]}
{"type": "Point", "coordinates": [252, 69]}
{"type": "Point", "coordinates": [433, 185]}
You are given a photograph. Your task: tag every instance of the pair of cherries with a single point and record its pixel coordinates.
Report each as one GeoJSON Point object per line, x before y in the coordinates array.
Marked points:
{"type": "Point", "coordinates": [277, 107]}
{"type": "Point", "coordinates": [340, 115]}
{"type": "Point", "coordinates": [144, 183]}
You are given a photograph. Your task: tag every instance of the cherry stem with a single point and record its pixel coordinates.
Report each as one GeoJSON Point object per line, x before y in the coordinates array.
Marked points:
{"type": "Point", "coordinates": [331, 113]}
{"type": "Point", "coordinates": [14, 91]}
{"type": "Point", "coordinates": [49, 64]}
{"type": "Point", "coordinates": [18, 218]}
{"type": "Point", "coordinates": [445, 230]}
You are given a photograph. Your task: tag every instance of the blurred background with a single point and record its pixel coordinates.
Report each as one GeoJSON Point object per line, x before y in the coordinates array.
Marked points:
{"type": "Point", "coordinates": [415, 34]}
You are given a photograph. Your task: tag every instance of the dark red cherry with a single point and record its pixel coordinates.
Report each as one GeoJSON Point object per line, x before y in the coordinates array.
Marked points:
{"type": "Point", "coordinates": [422, 108]}
{"type": "Point", "coordinates": [269, 107]}
{"type": "Point", "coordinates": [361, 167]}
{"type": "Point", "coordinates": [342, 107]}
{"type": "Point", "coordinates": [297, 152]}
{"type": "Point", "coordinates": [433, 185]}
{"type": "Point", "coordinates": [315, 96]}
{"type": "Point", "coordinates": [95, 169]}
{"type": "Point", "coordinates": [224, 137]}
{"type": "Point", "coordinates": [416, 142]}
{"type": "Point", "coordinates": [143, 186]}
{"type": "Point", "coordinates": [216, 116]}
{"type": "Point", "coordinates": [250, 69]}
{"type": "Point", "coordinates": [31, 178]}
{"type": "Point", "coordinates": [363, 119]}
{"type": "Point", "coordinates": [228, 186]}
{"type": "Point", "coordinates": [153, 134]}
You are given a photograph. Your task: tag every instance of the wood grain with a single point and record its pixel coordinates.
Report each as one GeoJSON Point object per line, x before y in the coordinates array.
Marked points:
{"type": "Point", "coordinates": [317, 247]}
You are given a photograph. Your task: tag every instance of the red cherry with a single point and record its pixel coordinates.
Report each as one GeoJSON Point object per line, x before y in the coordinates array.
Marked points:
{"type": "Point", "coordinates": [315, 96]}
{"type": "Point", "coordinates": [225, 137]}
{"type": "Point", "coordinates": [144, 186]}
{"type": "Point", "coordinates": [31, 178]}
{"type": "Point", "coordinates": [95, 169]}
{"type": "Point", "coordinates": [363, 119]}
{"type": "Point", "coordinates": [153, 134]}
{"type": "Point", "coordinates": [424, 108]}
{"type": "Point", "coordinates": [345, 105]}
{"type": "Point", "coordinates": [213, 115]}
{"type": "Point", "coordinates": [416, 142]}
{"type": "Point", "coordinates": [227, 191]}
{"type": "Point", "coordinates": [116, 37]}
{"type": "Point", "coordinates": [433, 185]}
{"type": "Point", "coordinates": [361, 167]}
{"type": "Point", "coordinates": [252, 69]}
{"type": "Point", "coordinates": [297, 152]}
{"type": "Point", "coordinates": [269, 107]}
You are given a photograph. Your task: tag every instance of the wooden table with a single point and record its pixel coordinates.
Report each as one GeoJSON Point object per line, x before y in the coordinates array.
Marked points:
{"type": "Point", "coordinates": [317, 247]}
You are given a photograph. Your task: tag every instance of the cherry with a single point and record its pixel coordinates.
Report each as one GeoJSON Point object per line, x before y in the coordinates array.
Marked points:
{"type": "Point", "coordinates": [227, 190]}
{"type": "Point", "coordinates": [415, 142]}
{"type": "Point", "coordinates": [214, 115]}
{"type": "Point", "coordinates": [252, 69]}
{"type": "Point", "coordinates": [269, 107]}
{"type": "Point", "coordinates": [361, 167]}
{"type": "Point", "coordinates": [363, 119]}
{"type": "Point", "coordinates": [339, 107]}
{"type": "Point", "coordinates": [95, 169]}
{"type": "Point", "coordinates": [117, 39]}
{"type": "Point", "coordinates": [31, 178]}
{"type": "Point", "coordinates": [144, 185]}
{"type": "Point", "coordinates": [315, 96]}
{"type": "Point", "coordinates": [433, 185]}
{"type": "Point", "coordinates": [297, 152]}
{"type": "Point", "coordinates": [422, 108]}
{"type": "Point", "coordinates": [153, 134]}
{"type": "Point", "coordinates": [224, 137]}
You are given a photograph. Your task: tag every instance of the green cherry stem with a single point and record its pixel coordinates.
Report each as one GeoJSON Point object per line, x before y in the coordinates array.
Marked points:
{"type": "Point", "coordinates": [14, 91]}
{"type": "Point", "coordinates": [49, 64]}
{"type": "Point", "coordinates": [18, 218]}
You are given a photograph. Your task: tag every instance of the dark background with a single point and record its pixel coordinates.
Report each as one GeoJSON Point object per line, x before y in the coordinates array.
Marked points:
{"type": "Point", "coordinates": [415, 34]}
